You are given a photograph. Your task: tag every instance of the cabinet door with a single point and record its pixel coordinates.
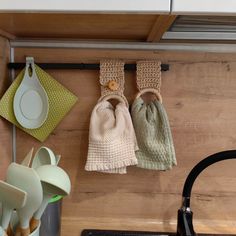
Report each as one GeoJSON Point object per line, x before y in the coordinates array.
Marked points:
{"type": "Point", "coordinates": [209, 7]}
{"type": "Point", "coordinates": [104, 6]}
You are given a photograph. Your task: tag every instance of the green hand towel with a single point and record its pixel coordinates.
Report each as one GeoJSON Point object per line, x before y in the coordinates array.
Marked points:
{"type": "Point", "coordinates": [156, 148]}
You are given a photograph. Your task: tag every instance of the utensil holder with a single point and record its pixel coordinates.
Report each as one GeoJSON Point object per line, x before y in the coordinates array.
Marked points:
{"type": "Point", "coordinates": [51, 218]}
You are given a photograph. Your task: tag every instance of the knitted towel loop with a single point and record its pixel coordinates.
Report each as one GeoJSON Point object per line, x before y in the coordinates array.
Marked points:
{"type": "Point", "coordinates": [112, 77]}
{"type": "Point", "coordinates": [149, 75]}
{"type": "Point", "coordinates": [154, 91]}
{"type": "Point", "coordinates": [120, 98]}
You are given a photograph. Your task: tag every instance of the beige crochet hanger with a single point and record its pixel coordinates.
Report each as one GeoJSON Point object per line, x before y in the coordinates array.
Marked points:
{"type": "Point", "coordinates": [149, 78]}
{"type": "Point", "coordinates": [112, 81]}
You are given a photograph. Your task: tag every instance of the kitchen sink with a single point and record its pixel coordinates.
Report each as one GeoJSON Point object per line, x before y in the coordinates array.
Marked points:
{"type": "Point", "coordinates": [93, 232]}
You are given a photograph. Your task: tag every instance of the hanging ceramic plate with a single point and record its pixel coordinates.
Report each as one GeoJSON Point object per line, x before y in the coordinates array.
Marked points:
{"type": "Point", "coordinates": [30, 102]}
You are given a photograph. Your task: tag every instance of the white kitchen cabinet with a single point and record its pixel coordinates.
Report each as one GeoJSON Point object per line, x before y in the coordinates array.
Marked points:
{"type": "Point", "coordinates": [88, 6]}
{"type": "Point", "coordinates": [208, 7]}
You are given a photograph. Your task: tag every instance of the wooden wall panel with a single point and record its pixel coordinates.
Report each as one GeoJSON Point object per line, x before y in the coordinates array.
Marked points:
{"type": "Point", "coordinates": [199, 96]}
{"type": "Point", "coordinates": [5, 127]}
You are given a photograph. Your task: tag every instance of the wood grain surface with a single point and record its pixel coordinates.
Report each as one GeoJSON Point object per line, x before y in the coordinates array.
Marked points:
{"type": "Point", "coordinates": [5, 127]}
{"type": "Point", "coordinates": [199, 96]}
{"type": "Point", "coordinates": [133, 27]}
{"type": "Point", "coordinates": [161, 25]}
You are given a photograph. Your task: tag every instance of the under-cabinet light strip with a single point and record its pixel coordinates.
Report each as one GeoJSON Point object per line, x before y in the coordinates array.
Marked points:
{"type": "Point", "coordinates": [179, 27]}
{"type": "Point", "coordinates": [197, 47]}
{"type": "Point", "coordinates": [199, 35]}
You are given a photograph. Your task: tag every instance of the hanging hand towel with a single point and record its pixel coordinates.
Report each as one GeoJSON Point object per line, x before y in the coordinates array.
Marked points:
{"type": "Point", "coordinates": [156, 148]}
{"type": "Point", "coordinates": [112, 142]}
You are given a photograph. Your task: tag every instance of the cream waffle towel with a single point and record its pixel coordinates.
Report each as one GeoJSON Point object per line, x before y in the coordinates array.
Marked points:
{"type": "Point", "coordinates": [112, 141]}
{"type": "Point", "coordinates": [156, 149]}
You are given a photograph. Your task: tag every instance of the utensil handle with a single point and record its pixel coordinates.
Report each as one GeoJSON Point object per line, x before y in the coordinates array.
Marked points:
{"type": "Point", "coordinates": [30, 62]}
{"type": "Point", "coordinates": [3, 232]}
{"type": "Point", "coordinates": [34, 223]}
{"type": "Point", "coordinates": [22, 232]}
{"type": "Point", "coordinates": [6, 216]}
{"type": "Point", "coordinates": [45, 201]}
{"type": "Point", "coordinates": [39, 212]}
{"type": "Point", "coordinates": [9, 231]}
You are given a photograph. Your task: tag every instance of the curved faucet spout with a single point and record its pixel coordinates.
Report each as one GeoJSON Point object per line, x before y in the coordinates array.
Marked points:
{"type": "Point", "coordinates": [184, 225]}
{"type": "Point", "coordinates": [202, 165]}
